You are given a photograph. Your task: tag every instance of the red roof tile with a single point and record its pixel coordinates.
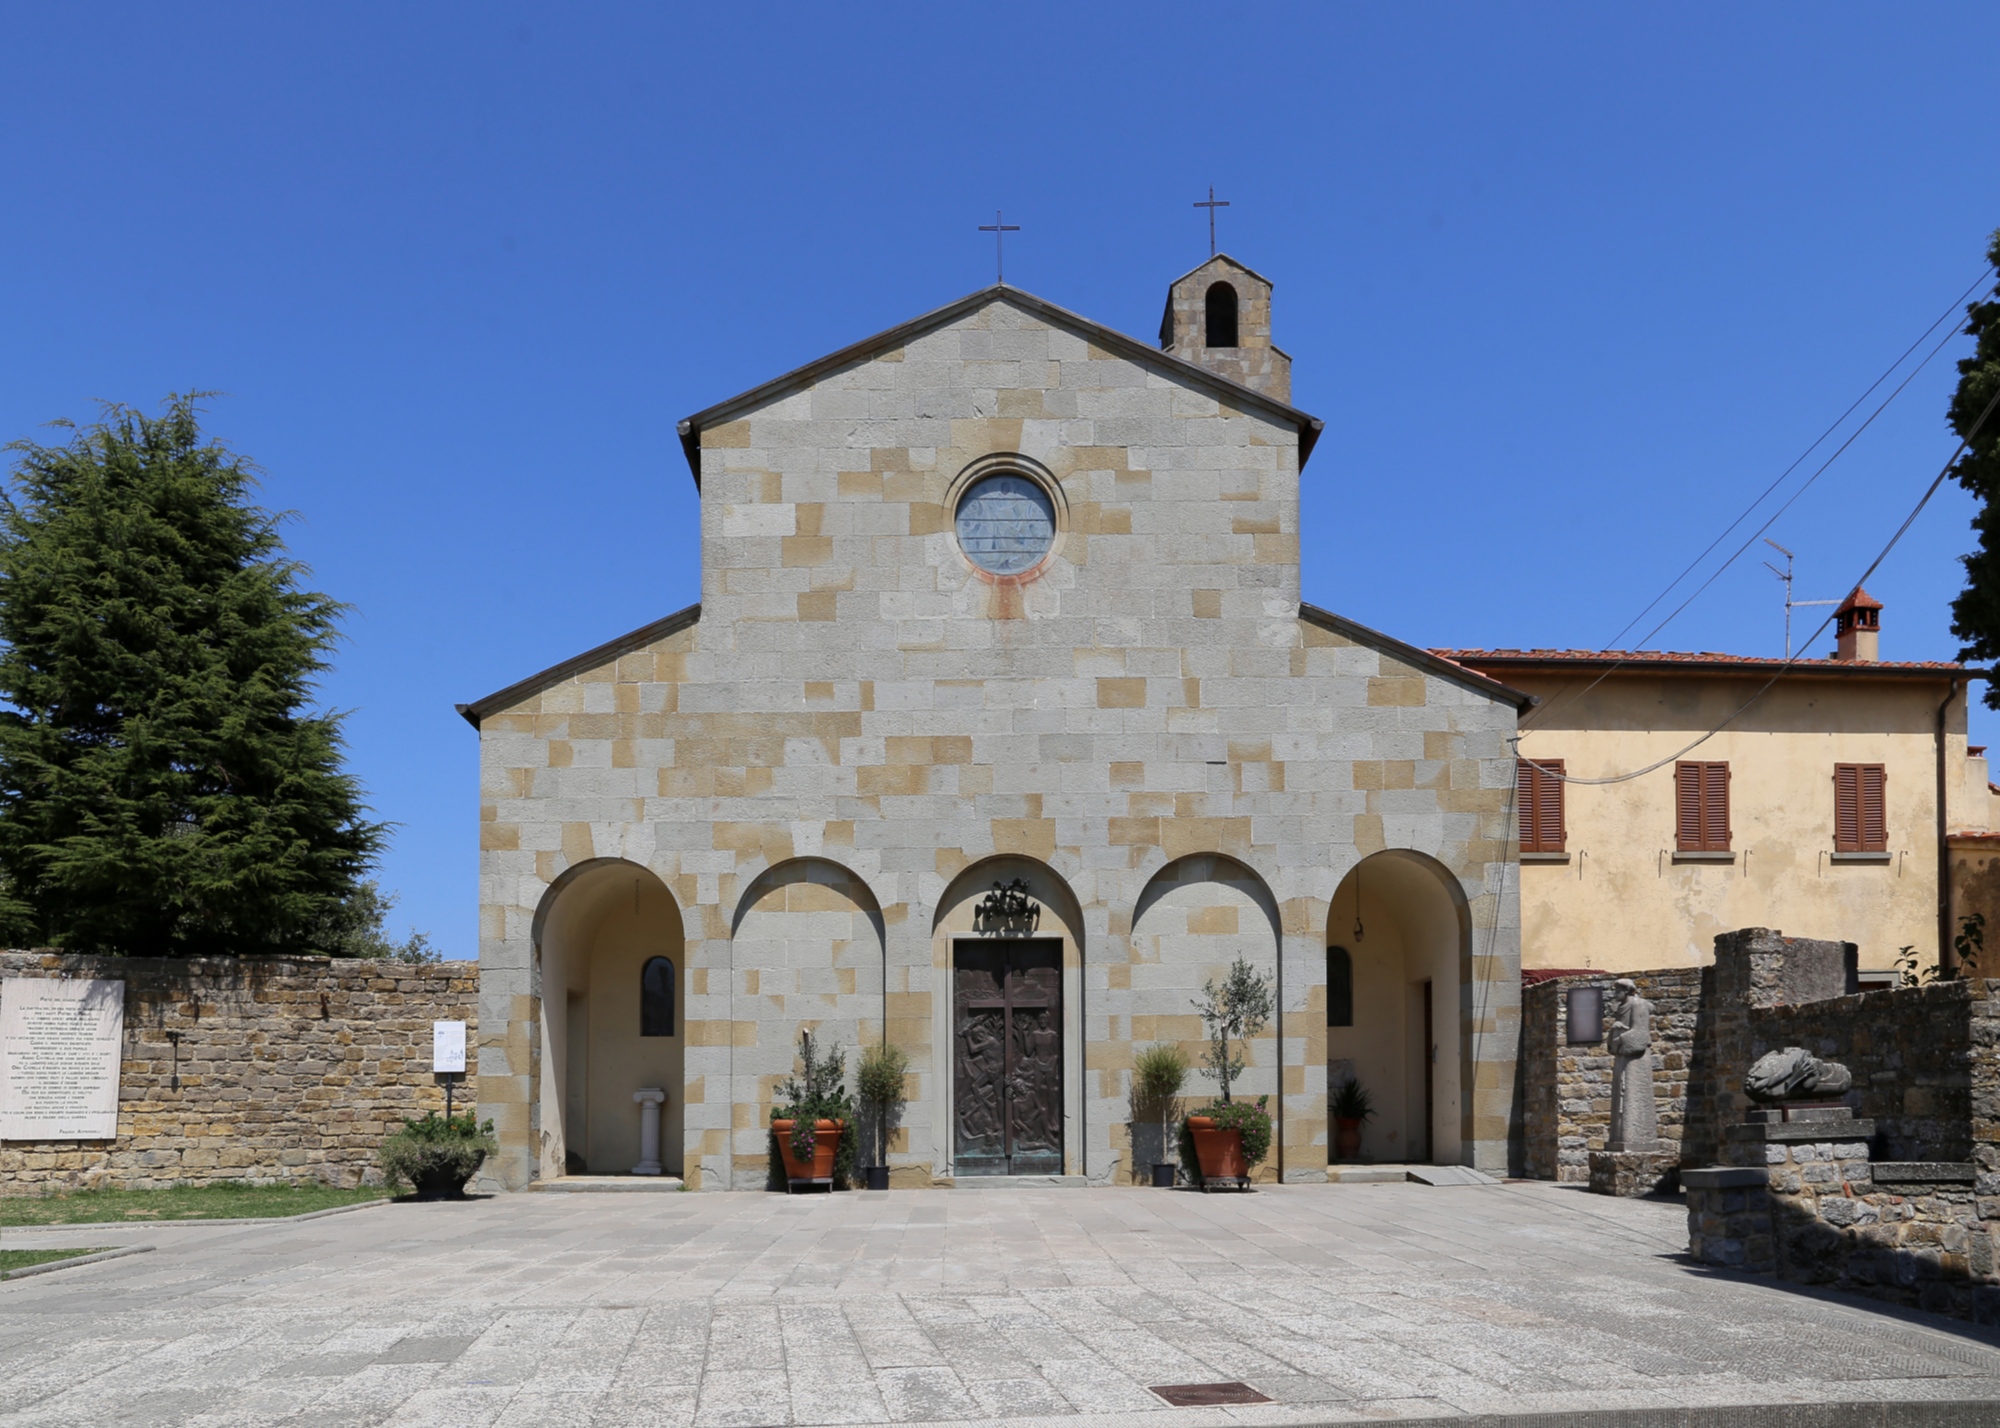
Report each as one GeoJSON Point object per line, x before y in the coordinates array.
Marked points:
{"type": "Point", "coordinates": [1750, 664]}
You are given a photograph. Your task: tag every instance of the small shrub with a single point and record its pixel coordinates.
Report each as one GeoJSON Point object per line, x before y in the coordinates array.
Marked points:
{"type": "Point", "coordinates": [1158, 1073]}
{"type": "Point", "coordinates": [1353, 1103]}
{"type": "Point", "coordinates": [816, 1091]}
{"type": "Point", "coordinates": [437, 1154]}
{"type": "Point", "coordinates": [880, 1079]}
{"type": "Point", "coordinates": [1251, 1119]}
{"type": "Point", "coordinates": [880, 1082]}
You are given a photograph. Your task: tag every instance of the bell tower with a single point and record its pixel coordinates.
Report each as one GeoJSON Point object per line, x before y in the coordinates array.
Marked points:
{"type": "Point", "coordinates": [1219, 317]}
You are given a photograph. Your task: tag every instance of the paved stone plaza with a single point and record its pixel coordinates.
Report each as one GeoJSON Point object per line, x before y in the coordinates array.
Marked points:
{"type": "Point", "coordinates": [1341, 1303]}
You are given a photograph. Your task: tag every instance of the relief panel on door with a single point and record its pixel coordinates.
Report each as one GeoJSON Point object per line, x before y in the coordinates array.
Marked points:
{"type": "Point", "coordinates": [1007, 1068]}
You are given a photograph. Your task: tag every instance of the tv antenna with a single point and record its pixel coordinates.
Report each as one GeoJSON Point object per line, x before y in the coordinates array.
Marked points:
{"type": "Point", "coordinates": [1790, 604]}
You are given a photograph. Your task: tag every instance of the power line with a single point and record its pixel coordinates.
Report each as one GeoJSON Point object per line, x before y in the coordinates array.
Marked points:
{"type": "Point", "coordinates": [1873, 566]}
{"type": "Point", "coordinates": [1564, 696]}
{"type": "Point", "coordinates": [1765, 495]}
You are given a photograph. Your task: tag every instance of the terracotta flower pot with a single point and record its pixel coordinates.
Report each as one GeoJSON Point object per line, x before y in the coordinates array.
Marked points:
{"type": "Point", "coordinates": [1346, 1137]}
{"type": "Point", "coordinates": [1219, 1151]}
{"type": "Point", "coordinates": [826, 1139]}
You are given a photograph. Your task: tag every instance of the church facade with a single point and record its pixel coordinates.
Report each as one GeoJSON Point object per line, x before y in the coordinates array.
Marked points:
{"type": "Point", "coordinates": [998, 597]}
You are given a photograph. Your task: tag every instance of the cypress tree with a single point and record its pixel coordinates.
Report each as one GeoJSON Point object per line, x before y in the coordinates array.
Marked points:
{"type": "Point", "coordinates": [1975, 614]}
{"type": "Point", "coordinates": [167, 787]}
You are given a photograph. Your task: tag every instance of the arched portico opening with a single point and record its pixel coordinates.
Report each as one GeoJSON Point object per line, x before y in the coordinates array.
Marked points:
{"type": "Point", "coordinates": [1398, 936]}
{"type": "Point", "coordinates": [1194, 918]}
{"type": "Point", "coordinates": [613, 983]}
{"type": "Point", "coordinates": [805, 954]}
{"type": "Point", "coordinates": [1007, 1097]}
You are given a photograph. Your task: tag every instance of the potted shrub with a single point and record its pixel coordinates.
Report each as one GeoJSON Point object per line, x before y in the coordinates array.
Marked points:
{"type": "Point", "coordinates": [435, 1156]}
{"type": "Point", "coordinates": [809, 1119]}
{"type": "Point", "coordinates": [880, 1082]}
{"type": "Point", "coordinates": [1158, 1073]}
{"type": "Point", "coordinates": [1351, 1106]}
{"type": "Point", "coordinates": [1222, 1141]}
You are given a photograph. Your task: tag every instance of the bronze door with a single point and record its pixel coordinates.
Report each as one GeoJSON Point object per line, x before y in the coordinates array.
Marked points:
{"type": "Point", "coordinates": [1007, 1026]}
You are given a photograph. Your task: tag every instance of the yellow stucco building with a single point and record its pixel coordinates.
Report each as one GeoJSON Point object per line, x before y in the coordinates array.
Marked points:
{"type": "Point", "coordinates": [1825, 806]}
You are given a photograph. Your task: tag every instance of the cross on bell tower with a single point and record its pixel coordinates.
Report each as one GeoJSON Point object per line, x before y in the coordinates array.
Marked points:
{"type": "Point", "coordinates": [1211, 205]}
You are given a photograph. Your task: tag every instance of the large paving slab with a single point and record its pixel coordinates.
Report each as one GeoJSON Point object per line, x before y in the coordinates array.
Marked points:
{"type": "Point", "coordinates": [1340, 1303]}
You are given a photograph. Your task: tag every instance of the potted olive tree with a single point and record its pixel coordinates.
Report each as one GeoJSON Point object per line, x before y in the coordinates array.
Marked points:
{"type": "Point", "coordinates": [1352, 1105]}
{"type": "Point", "coordinates": [880, 1082]}
{"type": "Point", "coordinates": [809, 1120]}
{"type": "Point", "coordinates": [1223, 1140]}
{"type": "Point", "coordinates": [1158, 1072]}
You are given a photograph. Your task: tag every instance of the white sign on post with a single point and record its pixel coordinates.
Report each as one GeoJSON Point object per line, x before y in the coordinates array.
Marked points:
{"type": "Point", "coordinates": [448, 1046]}
{"type": "Point", "coordinates": [60, 1046]}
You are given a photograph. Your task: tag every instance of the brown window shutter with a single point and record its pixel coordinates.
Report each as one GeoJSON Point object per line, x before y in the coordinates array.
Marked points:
{"type": "Point", "coordinates": [1538, 791]}
{"type": "Point", "coordinates": [1860, 808]}
{"type": "Point", "coordinates": [1715, 807]}
{"type": "Point", "coordinates": [1874, 808]}
{"type": "Point", "coordinates": [1701, 806]}
{"type": "Point", "coordinates": [1847, 808]}
{"type": "Point", "coordinates": [1687, 807]}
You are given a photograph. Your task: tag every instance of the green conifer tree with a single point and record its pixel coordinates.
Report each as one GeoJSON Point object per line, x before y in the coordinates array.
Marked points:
{"type": "Point", "coordinates": [166, 786]}
{"type": "Point", "coordinates": [1975, 614]}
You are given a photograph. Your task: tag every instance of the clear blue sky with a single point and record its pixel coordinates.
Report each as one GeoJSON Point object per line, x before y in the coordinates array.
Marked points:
{"type": "Point", "coordinates": [1567, 284]}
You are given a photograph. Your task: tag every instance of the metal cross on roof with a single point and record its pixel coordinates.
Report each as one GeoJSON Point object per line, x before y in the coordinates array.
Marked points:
{"type": "Point", "coordinates": [997, 228]}
{"type": "Point", "coordinates": [1212, 204]}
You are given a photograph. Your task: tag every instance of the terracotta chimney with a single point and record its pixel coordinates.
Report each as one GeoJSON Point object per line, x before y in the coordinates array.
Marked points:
{"type": "Point", "coordinates": [1858, 626]}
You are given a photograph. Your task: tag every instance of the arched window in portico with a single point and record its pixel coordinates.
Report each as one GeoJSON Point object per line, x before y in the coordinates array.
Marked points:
{"type": "Point", "coordinates": [1339, 987]}
{"type": "Point", "coordinates": [656, 998]}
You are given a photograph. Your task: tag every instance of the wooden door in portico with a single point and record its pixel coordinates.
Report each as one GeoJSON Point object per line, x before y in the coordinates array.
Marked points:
{"type": "Point", "coordinates": [1007, 1029]}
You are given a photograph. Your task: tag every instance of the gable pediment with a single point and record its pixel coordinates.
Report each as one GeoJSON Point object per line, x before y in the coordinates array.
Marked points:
{"type": "Point", "coordinates": [1174, 368]}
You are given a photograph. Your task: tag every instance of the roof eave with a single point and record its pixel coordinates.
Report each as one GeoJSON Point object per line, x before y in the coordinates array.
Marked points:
{"type": "Point", "coordinates": [1422, 658]}
{"type": "Point", "coordinates": [611, 649]}
{"type": "Point", "coordinates": [1824, 669]}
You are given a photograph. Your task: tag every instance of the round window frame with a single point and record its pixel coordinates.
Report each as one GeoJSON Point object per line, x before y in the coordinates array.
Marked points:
{"type": "Point", "coordinates": [1008, 463]}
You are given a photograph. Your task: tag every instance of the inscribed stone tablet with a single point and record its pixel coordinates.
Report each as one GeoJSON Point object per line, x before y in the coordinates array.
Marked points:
{"type": "Point", "coordinates": [60, 1043]}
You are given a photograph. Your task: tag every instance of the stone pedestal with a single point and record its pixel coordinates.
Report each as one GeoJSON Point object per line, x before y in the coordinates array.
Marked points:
{"type": "Point", "coordinates": [650, 1100]}
{"type": "Point", "coordinates": [1634, 1172]}
{"type": "Point", "coordinates": [1750, 1214]}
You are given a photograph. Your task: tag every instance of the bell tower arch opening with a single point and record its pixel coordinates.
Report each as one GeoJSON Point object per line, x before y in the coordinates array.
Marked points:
{"type": "Point", "coordinates": [1219, 319]}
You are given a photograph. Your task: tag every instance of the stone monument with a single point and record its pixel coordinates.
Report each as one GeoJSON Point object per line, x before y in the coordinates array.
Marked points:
{"type": "Point", "coordinates": [1799, 1140]}
{"type": "Point", "coordinates": [1634, 1161]}
{"type": "Point", "coordinates": [1635, 1109]}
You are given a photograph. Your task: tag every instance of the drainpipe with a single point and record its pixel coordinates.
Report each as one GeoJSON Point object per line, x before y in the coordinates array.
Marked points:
{"type": "Point", "coordinates": [1947, 954]}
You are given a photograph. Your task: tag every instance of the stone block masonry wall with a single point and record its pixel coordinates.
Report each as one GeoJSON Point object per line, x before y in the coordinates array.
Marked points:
{"type": "Point", "coordinates": [1566, 1109]}
{"type": "Point", "coordinates": [285, 1070]}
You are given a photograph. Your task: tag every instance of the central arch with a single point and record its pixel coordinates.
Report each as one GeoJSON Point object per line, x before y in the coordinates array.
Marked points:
{"type": "Point", "coordinates": [1008, 985]}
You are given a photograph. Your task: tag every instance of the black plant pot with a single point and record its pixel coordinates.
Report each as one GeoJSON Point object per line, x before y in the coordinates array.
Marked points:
{"type": "Point", "coordinates": [1163, 1176]}
{"type": "Point", "coordinates": [440, 1185]}
{"type": "Point", "coordinates": [878, 1177]}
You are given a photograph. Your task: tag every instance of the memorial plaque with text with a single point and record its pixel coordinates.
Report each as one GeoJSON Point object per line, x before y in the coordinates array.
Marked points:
{"type": "Point", "coordinates": [60, 1043]}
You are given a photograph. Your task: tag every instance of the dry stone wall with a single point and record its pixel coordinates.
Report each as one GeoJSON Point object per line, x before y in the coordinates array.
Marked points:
{"type": "Point", "coordinates": [1922, 1058]}
{"type": "Point", "coordinates": [259, 1070]}
{"type": "Point", "coordinates": [1566, 1090]}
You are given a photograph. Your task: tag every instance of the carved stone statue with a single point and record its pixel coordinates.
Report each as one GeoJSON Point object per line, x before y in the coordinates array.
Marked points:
{"type": "Point", "coordinates": [1635, 1111]}
{"type": "Point", "coordinates": [1795, 1074]}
